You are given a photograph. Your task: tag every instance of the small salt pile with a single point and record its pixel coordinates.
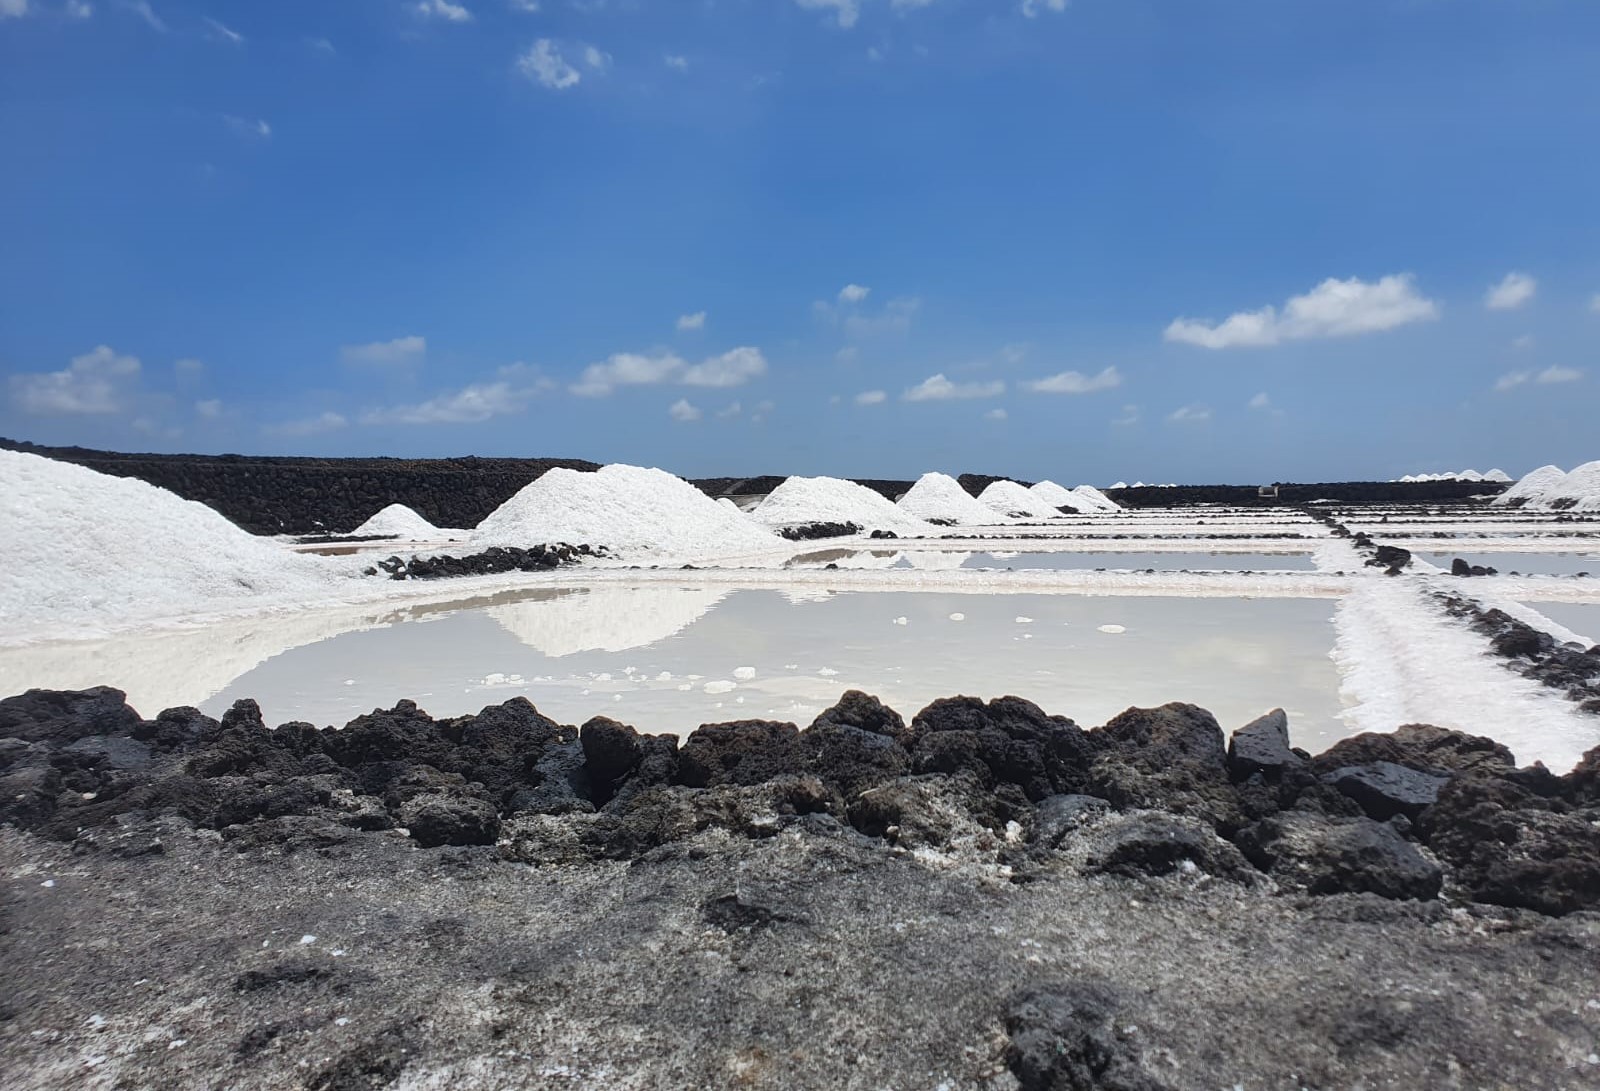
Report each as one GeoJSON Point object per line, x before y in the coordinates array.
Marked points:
{"type": "Point", "coordinates": [1057, 497]}
{"type": "Point", "coordinates": [85, 548]}
{"type": "Point", "coordinates": [399, 521]}
{"type": "Point", "coordinates": [1097, 500]}
{"type": "Point", "coordinates": [625, 508]}
{"type": "Point", "coordinates": [1010, 498]}
{"type": "Point", "coordinates": [802, 500]}
{"type": "Point", "coordinates": [940, 496]}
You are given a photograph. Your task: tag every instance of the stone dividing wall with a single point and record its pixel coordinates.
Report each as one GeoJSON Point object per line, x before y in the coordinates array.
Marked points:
{"type": "Point", "coordinates": [311, 495]}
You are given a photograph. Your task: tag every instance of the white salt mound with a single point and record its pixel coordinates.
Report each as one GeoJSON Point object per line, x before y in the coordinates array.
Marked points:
{"type": "Point", "coordinates": [1097, 500]}
{"type": "Point", "coordinates": [1532, 487]}
{"type": "Point", "coordinates": [625, 508]}
{"type": "Point", "coordinates": [802, 500]}
{"type": "Point", "coordinates": [940, 496]}
{"type": "Point", "coordinates": [399, 521]}
{"type": "Point", "coordinates": [1498, 476]}
{"type": "Point", "coordinates": [1578, 491]}
{"type": "Point", "coordinates": [1057, 496]}
{"type": "Point", "coordinates": [84, 548]}
{"type": "Point", "coordinates": [1008, 497]}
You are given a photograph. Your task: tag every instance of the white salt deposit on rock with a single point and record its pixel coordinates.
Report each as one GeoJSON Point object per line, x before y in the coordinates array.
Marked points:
{"type": "Point", "coordinates": [1010, 498]}
{"type": "Point", "coordinates": [940, 496]}
{"type": "Point", "coordinates": [399, 521]}
{"type": "Point", "coordinates": [625, 508]}
{"type": "Point", "coordinates": [802, 500]}
{"type": "Point", "coordinates": [1532, 487]}
{"type": "Point", "coordinates": [1057, 496]}
{"type": "Point", "coordinates": [84, 548]}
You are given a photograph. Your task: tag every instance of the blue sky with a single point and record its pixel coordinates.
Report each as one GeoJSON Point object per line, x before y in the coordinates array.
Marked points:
{"type": "Point", "coordinates": [1188, 240]}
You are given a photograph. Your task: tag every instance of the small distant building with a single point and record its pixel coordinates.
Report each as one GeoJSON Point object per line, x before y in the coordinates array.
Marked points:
{"type": "Point", "coordinates": [1267, 492]}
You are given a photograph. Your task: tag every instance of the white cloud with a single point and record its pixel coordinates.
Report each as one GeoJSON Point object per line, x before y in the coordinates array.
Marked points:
{"type": "Point", "coordinates": [255, 128]}
{"type": "Point", "coordinates": [401, 352]}
{"type": "Point", "coordinates": [937, 388]}
{"type": "Point", "coordinates": [470, 405]}
{"type": "Point", "coordinates": [13, 9]}
{"type": "Point", "coordinates": [525, 5]}
{"type": "Point", "coordinates": [1334, 308]}
{"type": "Point", "coordinates": [222, 33]}
{"type": "Point", "coordinates": [683, 412]}
{"type": "Point", "coordinates": [310, 426]}
{"type": "Point", "coordinates": [732, 409]}
{"type": "Point", "coordinates": [1130, 416]}
{"type": "Point", "coordinates": [733, 368]}
{"type": "Point", "coordinates": [1558, 375]}
{"type": "Point", "coordinates": [143, 10]}
{"type": "Point", "coordinates": [1511, 380]}
{"type": "Point", "coordinates": [1511, 293]}
{"type": "Point", "coordinates": [1033, 8]}
{"type": "Point", "coordinates": [77, 9]}
{"type": "Point", "coordinates": [210, 409]}
{"type": "Point", "coordinates": [995, 414]}
{"type": "Point", "coordinates": [696, 321]}
{"type": "Point", "coordinates": [854, 293]}
{"type": "Point", "coordinates": [1073, 382]}
{"type": "Point", "coordinates": [322, 46]}
{"type": "Point", "coordinates": [1190, 413]}
{"type": "Point", "coordinates": [895, 318]}
{"type": "Point", "coordinates": [1261, 401]}
{"type": "Point", "coordinates": [872, 397]}
{"type": "Point", "coordinates": [594, 58]}
{"type": "Point", "coordinates": [442, 9]}
{"type": "Point", "coordinates": [845, 12]}
{"type": "Point", "coordinates": [96, 382]}
{"type": "Point", "coordinates": [544, 64]}
{"type": "Point", "coordinates": [627, 369]}
{"type": "Point", "coordinates": [677, 62]}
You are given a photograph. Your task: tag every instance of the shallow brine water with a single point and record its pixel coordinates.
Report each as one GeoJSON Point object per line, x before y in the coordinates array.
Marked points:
{"type": "Point", "coordinates": [1063, 560]}
{"type": "Point", "coordinates": [1529, 564]}
{"type": "Point", "coordinates": [667, 659]}
{"type": "Point", "coordinates": [1582, 618]}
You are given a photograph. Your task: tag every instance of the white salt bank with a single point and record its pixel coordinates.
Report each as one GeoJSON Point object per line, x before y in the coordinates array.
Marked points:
{"type": "Point", "coordinates": [627, 509]}
{"type": "Point", "coordinates": [940, 496]}
{"type": "Point", "coordinates": [802, 500]}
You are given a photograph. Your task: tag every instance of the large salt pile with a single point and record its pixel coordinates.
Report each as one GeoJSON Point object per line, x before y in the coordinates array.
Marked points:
{"type": "Point", "coordinates": [1097, 500]}
{"type": "Point", "coordinates": [1010, 498]}
{"type": "Point", "coordinates": [802, 500]}
{"type": "Point", "coordinates": [625, 508]}
{"type": "Point", "coordinates": [1577, 491]}
{"type": "Point", "coordinates": [85, 549]}
{"type": "Point", "coordinates": [399, 521]}
{"type": "Point", "coordinates": [940, 496]}
{"type": "Point", "coordinates": [1532, 487]}
{"type": "Point", "coordinates": [1057, 496]}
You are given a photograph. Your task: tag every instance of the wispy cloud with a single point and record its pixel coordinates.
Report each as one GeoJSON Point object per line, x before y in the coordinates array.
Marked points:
{"type": "Point", "coordinates": [529, 6]}
{"type": "Point", "coordinates": [308, 426]}
{"type": "Point", "coordinates": [1261, 401]}
{"type": "Point", "coordinates": [1511, 293]}
{"type": "Point", "coordinates": [845, 12]}
{"type": "Point", "coordinates": [75, 9]}
{"type": "Point", "coordinates": [221, 33]}
{"type": "Point", "coordinates": [1128, 418]}
{"type": "Point", "coordinates": [400, 352]}
{"type": "Point", "coordinates": [1550, 376]}
{"type": "Point", "coordinates": [1594, 304]}
{"type": "Point", "coordinates": [544, 64]}
{"type": "Point", "coordinates": [854, 293]}
{"type": "Point", "coordinates": [143, 10]}
{"type": "Point", "coordinates": [246, 127]}
{"type": "Point", "coordinates": [442, 9]}
{"type": "Point", "coordinates": [1189, 413]}
{"type": "Point", "coordinates": [1073, 382]}
{"type": "Point", "coordinates": [683, 412]}
{"type": "Point", "coordinates": [210, 409]}
{"type": "Point", "coordinates": [732, 368]}
{"type": "Point", "coordinates": [1334, 308]}
{"type": "Point", "coordinates": [696, 321]}
{"type": "Point", "coordinates": [472, 404]}
{"type": "Point", "coordinates": [1032, 9]}
{"type": "Point", "coordinates": [97, 382]}
{"type": "Point", "coordinates": [937, 388]}
{"type": "Point", "coordinates": [872, 397]}
{"type": "Point", "coordinates": [321, 46]}
{"type": "Point", "coordinates": [677, 62]}
{"type": "Point", "coordinates": [13, 9]}
{"type": "Point", "coordinates": [995, 414]}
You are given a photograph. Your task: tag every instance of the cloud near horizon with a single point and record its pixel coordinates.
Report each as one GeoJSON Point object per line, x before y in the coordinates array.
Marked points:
{"type": "Point", "coordinates": [95, 383]}
{"type": "Point", "coordinates": [733, 368]}
{"type": "Point", "coordinates": [1334, 308]}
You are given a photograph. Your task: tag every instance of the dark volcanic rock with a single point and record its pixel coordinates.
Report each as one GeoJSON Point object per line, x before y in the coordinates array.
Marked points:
{"type": "Point", "coordinates": [1159, 844]}
{"type": "Point", "coordinates": [60, 717]}
{"type": "Point", "coordinates": [852, 759]}
{"type": "Point", "coordinates": [1063, 1038]}
{"type": "Point", "coordinates": [437, 818]}
{"type": "Point", "coordinates": [857, 709]}
{"type": "Point", "coordinates": [1385, 789]}
{"type": "Point", "coordinates": [1168, 758]}
{"type": "Point", "coordinates": [1058, 816]}
{"type": "Point", "coordinates": [1262, 746]}
{"type": "Point", "coordinates": [1006, 741]}
{"type": "Point", "coordinates": [744, 752]}
{"type": "Point", "coordinates": [1330, 855]}
{"type": "Point", "coordinates": [1419, 746]}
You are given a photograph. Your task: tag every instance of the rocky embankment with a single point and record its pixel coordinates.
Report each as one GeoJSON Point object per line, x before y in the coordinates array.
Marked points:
{"type": "Point", "coordinates": [984, 897]}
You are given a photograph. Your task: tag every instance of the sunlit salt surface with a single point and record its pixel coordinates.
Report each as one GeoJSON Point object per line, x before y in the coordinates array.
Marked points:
{"type": "Point", "coordinates": [1007, 560]}
{"type": "Point", "coordinates": [1583, 618]}
{"type": "Point", "coordinates": [667, 659]}
{"type": "Point", "coordinates": [1529, 564]}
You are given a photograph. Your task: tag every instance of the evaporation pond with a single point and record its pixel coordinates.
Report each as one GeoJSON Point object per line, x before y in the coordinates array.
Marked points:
{"type": "Point", "coordinates": [1528, 564]}
{"type": "Point", "coordinates": [1582, 618]}
{"type": "Point", "coordinates": [669, 658]}
{"type": "Point", "coordinates": [1057, 560]}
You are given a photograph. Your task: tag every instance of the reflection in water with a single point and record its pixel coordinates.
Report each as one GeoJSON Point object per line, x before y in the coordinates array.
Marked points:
{"type": "Point", "coordinates": [608, 619]}
{"type": "Point", "coordinates": [944, 560]}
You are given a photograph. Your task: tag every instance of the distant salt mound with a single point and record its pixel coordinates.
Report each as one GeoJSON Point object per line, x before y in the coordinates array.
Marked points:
{"type": "Point", "coordinates": [802, 500]}
{"type": "Point", "coordinates": [1010, 498]}
{"type": "Point", "coordinates": [1498, 476]}
{"type": "Point", "coordinates": [1532, 487]}
{"type": "Point", "coordinates": [399, 521]}
{"type": "Point", "coordinates": [1097, 500]}
{"type": "Point", "coordinates": [627, 509]}
{"type": "Point", "coordinates": [85, 549]}
{"type": "Point", "coordinates": [725, 502]}
{"type": "Point", "coordinates": [940, 496]}
{"type": "Point", "coordinates": [1058, 496]}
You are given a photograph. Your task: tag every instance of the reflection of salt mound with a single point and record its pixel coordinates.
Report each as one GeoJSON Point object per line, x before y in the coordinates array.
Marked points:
{"type": "Point", "coordinates": [605, 619]}
{"type": "Point", "coordinates": [625, 508]}
{"type": "Point", "coordinates": [936, 560]}
{"type": "Point", "coordinates": [1097, 500]}
{"type": "Point", "coordinates": [802, 596]}
{"type": "Point", "coordinates": [399, 521]}
{"type": "Point", "coordinates": [801, 500]}
{"type": "Point", "coordinates": [165, 668]}
{"type": "Point", "coordinates": [940, 496]}
{"type": "Point", "coordinates": [1532, 487]}
{"type": "Point", "coordinates": [85, 547]}
{"type": "Point", "coordinates": [1008, 498]}
{"type": "Point", "coordinates": [1057, 496]}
